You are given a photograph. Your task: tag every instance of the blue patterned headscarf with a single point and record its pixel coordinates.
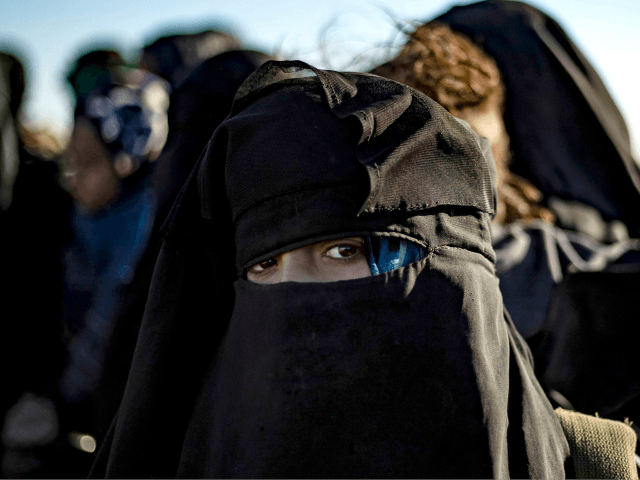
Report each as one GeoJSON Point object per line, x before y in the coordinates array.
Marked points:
{"type": "Point", "coordinates": [390, 253]}
{"type": "Point", "coordinates": [128, 107]}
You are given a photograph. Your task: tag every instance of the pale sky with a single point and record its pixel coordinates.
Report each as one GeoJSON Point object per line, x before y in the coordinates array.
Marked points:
{"type": "Point", "coordinates": [49, 34]}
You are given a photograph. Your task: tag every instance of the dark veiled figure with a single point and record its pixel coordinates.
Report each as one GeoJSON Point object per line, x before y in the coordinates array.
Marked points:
{"type": "Point", "coordinates": [201, 102]}
{"type": "Point", "coordinates": [33, 228]}
{"type": "Point", "coordinates": [32, 217]}
{"type": "Point", "coordinates": [408, 370]}
{"type": "Point", "coordinates": [120, 129]}
{"type": "Point", "coordinates": [567, 135]}
{"type": "Point", "coordinates": [175, 56]}
{"type": "Point", "coordinates": [543, 268]}
{"type": "Point", "coordinates": [196, 108]}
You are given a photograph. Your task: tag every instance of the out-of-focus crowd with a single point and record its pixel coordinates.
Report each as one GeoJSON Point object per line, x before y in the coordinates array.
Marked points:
{"type": "Point", "coordinates": [80, 224]}
{"type": "Point", "coordinates": [80, 228]}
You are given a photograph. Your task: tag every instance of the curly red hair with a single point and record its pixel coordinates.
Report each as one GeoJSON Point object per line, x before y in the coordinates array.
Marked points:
{"type": "Point", "coordinates": [460, 76]}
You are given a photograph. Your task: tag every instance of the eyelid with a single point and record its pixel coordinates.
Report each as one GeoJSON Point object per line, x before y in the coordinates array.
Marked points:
{"type": "Point", "coordinates": [342, 241]}
{"type": "Point", "coordinates": [264, 270]}
{"type": "Point", "coordinates": [346, 242]}
{"type": "Point", "coordinates": [322, 248]}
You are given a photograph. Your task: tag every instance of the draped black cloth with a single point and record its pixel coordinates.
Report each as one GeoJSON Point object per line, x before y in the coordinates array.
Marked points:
{"type": "Point", "coordinates": [11, 91]}
{"type": "Point", "coordinates": [34, 225]}
{"type": "Point", "coordinates": [175, 57]}
{"type": "Point", "coordinates": [567, 135]}
{"type": "Point", "coordinates": [588, 348]}
{"type": "Point", "coordinates": [417, 372]}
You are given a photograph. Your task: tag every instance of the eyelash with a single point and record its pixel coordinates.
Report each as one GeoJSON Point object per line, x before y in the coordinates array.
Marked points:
{"type": "Point", "coordinates": [357, 247]}
{"type": "Point", "coordinates": [265, 268]}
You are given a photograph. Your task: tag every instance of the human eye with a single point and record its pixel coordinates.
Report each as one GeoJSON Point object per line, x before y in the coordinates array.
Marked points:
{"type": "Point", "coordinates": [262, 268]}
{"type": "Point", "coordinates": [344, 250]}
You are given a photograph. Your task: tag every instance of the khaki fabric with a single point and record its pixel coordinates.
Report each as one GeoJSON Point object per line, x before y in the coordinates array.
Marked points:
{"type": "Point", "coordinates": [600, 448]}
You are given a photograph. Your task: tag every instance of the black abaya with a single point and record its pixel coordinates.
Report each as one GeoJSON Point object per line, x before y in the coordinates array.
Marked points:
{"type": "Point", "coordinates": [417, 372]}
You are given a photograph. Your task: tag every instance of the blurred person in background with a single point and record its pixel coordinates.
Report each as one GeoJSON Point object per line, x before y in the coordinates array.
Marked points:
{"type": "Point", "coordinates": [205, 70]}
{"type": "Point", "coordinates": [197, 107]}
{"type": "Point", "coordinates": [123, 194]}
{"type": "Point", "coordinates": [175, 56]}
{"type": "Point", "coordinates": [545, 123]}
{"type": "Point", "coordinates": [12, 84]}
{"type": "Point", "coordinates": [567, 135]}
{"type": "Point", "coordinates": [120, 129]}
{"type": "Point", "coordinates": [34, 226]}
{"type": "Point", "coordinates": [123, 189]}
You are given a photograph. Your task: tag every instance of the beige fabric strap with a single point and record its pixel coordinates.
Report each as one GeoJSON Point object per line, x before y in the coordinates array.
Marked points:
{"type": "Point", "coordinates": [600, 448]}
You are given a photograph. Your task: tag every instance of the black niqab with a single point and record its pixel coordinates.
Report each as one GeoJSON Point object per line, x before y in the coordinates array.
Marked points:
{"type": "Point", "coordinates": [567, 135]}
{"type": "Point", "coordinates": [417, 372]}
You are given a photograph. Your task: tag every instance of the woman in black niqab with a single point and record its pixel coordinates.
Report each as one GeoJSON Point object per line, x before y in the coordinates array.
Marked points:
{"type": "Point", "coordinates": [415, 372]}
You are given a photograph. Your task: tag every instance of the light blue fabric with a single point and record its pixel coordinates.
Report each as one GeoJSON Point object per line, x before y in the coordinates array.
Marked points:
{"type": "Point", "coordinates": [107, 248]}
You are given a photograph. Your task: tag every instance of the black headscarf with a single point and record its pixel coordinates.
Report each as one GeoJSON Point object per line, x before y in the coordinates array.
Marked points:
{"type": "Point", "coordinates": [198, 106]}
{"type": "Point", "coordinates": [417, 372]}
{"type": "Point", "coordinates": [568, 136]}
{"type": "Point", "coordinates": [175, 57]}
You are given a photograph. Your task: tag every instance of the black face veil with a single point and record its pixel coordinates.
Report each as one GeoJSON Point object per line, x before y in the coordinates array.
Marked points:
{"type": "Point", "coordinates": [417, 372]}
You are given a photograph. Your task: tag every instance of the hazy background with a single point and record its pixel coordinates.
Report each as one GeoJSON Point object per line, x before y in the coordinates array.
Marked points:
{"type": "Point", "coordinates": [49, 34]}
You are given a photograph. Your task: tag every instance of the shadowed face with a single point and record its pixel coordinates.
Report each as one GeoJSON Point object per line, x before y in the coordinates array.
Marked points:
{"type": "Point", "coordinates": [328, 261]}
{"type": "Point", "coordinates": [90, 176]}
{"type": "Point", "coordinates": [489, 123]}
